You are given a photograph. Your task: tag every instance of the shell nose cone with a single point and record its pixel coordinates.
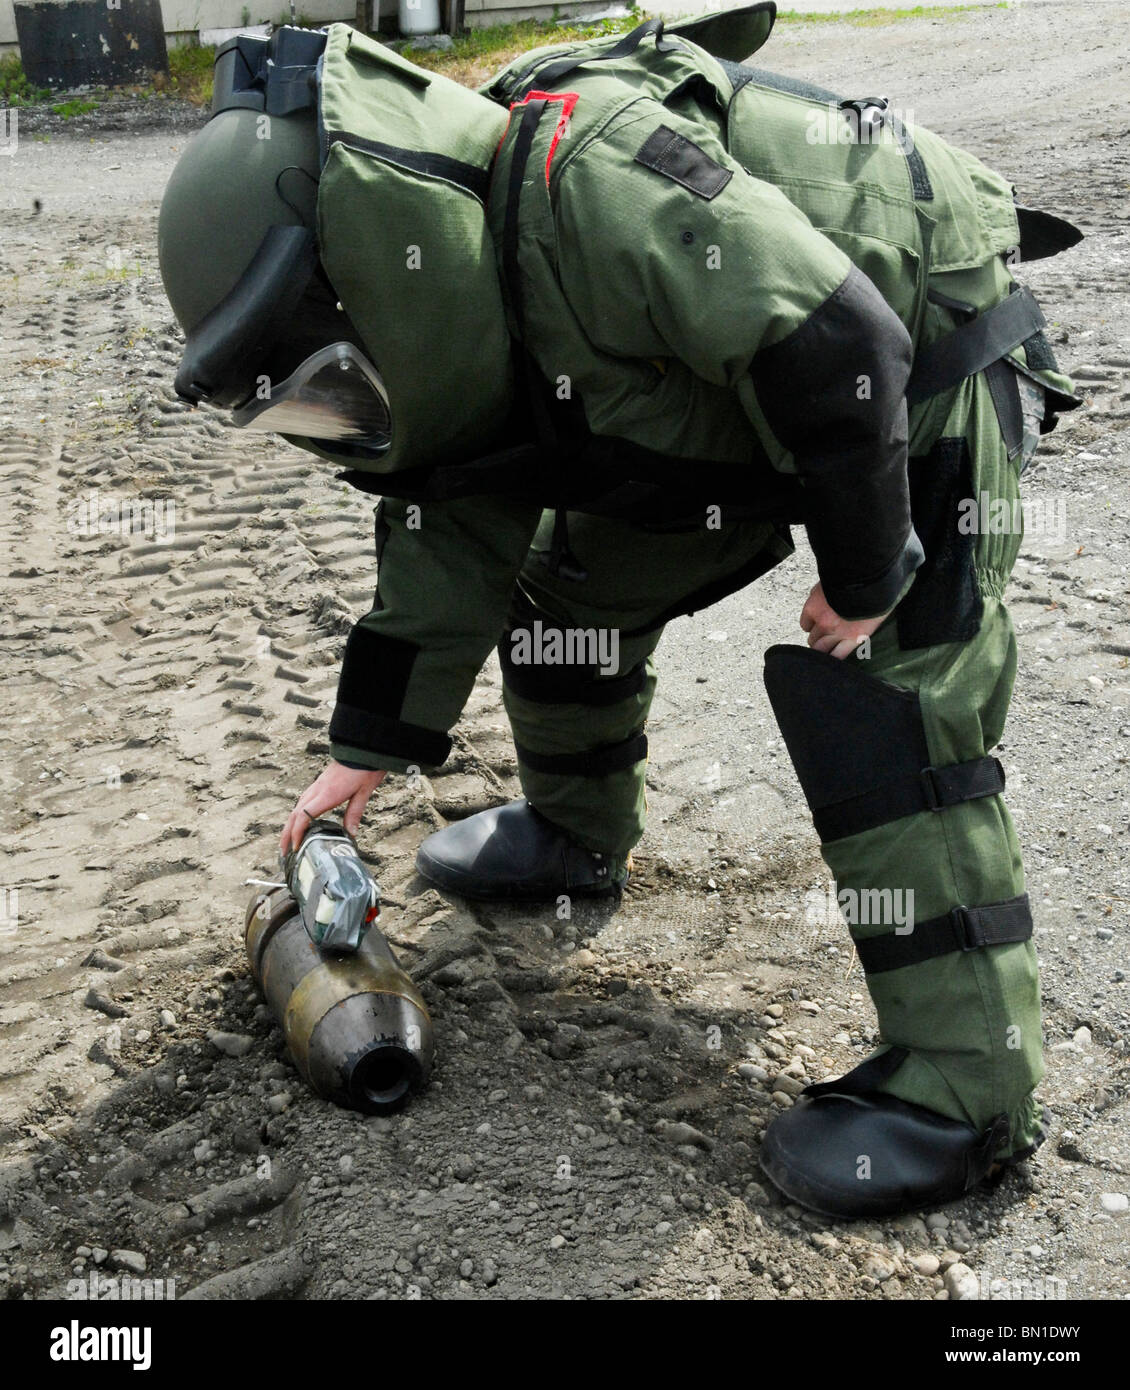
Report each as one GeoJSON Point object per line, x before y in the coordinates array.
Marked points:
{"type": "Point", "coordinates": [371, 1052]}
{"type": "Point", "coordinates": [383, 1078]}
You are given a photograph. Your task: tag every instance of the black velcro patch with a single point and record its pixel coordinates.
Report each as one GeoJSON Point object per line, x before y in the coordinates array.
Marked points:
{"type": "Point", "coordinates": [375, 671]}
{"type": "Point", "coordinates": [680, 159]}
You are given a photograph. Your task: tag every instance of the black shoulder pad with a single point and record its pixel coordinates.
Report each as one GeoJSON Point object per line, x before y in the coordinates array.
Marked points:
{"type": "Point", "coordinates": [681, 159]}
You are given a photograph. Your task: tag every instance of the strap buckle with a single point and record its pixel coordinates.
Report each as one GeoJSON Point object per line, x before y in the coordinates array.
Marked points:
{"type": "Point", "coordinates": [966, 929]}
{"type": "Point", "coordinates": [965, 782]}
{"type": "Point", "coordinates": [870, 114]}
{"type": "Point", "coordinates": [930, 790]}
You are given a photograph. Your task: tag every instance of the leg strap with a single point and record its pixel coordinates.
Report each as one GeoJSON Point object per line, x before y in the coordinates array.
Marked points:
{"type": "Point", "coordinates": [596, 762]}
{"type": "Point", "coordinates": [960, 929]}
{"type": "Point", "coordinates": [933, 789]}
{"type": "Point", "coordinates": [568, 685]}
{"type": "Point", "coordinates": [972, 347]}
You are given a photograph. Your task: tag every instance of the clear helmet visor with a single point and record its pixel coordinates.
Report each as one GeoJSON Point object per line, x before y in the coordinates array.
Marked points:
{"type": "Point", "coordinates": [334, 395]}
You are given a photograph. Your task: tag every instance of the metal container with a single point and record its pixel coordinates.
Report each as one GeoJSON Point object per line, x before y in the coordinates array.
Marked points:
{"type": "Point", "coordinates": [356, 1025]}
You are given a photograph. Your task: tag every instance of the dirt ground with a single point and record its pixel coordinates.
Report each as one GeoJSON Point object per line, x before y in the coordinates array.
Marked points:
{"type": "Point", "coordinates": [602, 1083]}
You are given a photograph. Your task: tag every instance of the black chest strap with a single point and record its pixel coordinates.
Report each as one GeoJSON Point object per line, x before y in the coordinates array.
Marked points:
{"type": "Point", "coordinates": [546, 78]}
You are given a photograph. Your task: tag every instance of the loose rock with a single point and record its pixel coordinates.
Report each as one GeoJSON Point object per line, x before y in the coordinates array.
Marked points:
{"type": "Point", "coordinates": [231, 1044]}
{"type": "Point", "coordinates": [961, 1283]}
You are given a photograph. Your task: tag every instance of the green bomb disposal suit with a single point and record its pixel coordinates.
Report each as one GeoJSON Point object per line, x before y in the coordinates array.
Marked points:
{"type": "Point", "coordinates": [638, 309]}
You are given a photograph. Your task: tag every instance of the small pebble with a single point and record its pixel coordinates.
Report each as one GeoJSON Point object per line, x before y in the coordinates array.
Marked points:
{"type": "Point", "coordinates": [962, 1284]}
{"type": "Point", "coordinates": [878, 1267]}
{"type": "Point", "coordinates": [683, 1133]}
{"type": "Point", "coordinates": [231, 1044]}
{"type": "Point", "coordinates": [131, 1260]}
{"type": "Point", "coordinates": [1115, 1202]}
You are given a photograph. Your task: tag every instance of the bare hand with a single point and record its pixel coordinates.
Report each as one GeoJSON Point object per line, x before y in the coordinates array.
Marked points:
{"type": "Point", "coordinates": [828, 632]}
{"type": "Point", "coordinates": [335, 785]}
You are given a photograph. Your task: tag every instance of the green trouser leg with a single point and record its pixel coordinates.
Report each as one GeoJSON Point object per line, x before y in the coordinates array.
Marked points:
{"type": "Point", "coordinates": [970, 1019]}
{"type": "Point", "coordinates": [636, 579]}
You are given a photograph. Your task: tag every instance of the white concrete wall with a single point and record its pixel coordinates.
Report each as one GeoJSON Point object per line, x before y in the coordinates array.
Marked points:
{"type": "Point", "coordinates": [185, 17]}
{"type": "Point", "coordinates": [479, 13]}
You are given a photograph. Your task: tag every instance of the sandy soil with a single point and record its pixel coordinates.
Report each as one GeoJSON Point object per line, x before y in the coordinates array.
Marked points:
{"type": "Point", "coordinates": [602, 1084]}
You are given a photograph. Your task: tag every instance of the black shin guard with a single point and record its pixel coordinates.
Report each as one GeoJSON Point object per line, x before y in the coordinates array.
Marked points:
{"type": "Point", "coordinates": [859, 745]}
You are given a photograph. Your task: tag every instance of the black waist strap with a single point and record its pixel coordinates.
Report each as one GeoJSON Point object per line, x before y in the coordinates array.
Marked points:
{"type": "Point", "coordinates": [960, 929]}
{"type": "Point", "coordinates": [972, 347]}
{"type": "Point", "coordinates": [933, 789]}
{"type": "Point", "coordinates": [597, 762]}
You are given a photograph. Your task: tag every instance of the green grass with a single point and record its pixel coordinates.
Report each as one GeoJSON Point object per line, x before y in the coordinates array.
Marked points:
{"type": "Point", "coordinates": [15, 89]}
{"type": "Point", "coordinates": [69, 109]}
{"type": "Point", "coordinates": [190, 74]}
{"type": "Point", "coordinates": [875, 18]}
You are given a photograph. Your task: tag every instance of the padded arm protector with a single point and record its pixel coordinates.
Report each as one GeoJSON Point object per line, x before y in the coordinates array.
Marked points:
{"type": "Point", "coordinates": [833, 393]}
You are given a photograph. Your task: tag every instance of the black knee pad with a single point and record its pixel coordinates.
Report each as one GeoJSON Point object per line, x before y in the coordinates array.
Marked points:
{"type": "Point", "coordinates": [859, 745]}
{"type": "Point", "coordinates": [577, 683]}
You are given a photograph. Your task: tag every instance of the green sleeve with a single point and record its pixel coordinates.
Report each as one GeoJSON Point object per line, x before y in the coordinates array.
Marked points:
{"type": "Point", "coordinates": [699, 261]}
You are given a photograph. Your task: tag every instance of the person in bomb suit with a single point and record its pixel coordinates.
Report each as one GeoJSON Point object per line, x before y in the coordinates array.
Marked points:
{"type": "Point", "coordinates": [598, 335]}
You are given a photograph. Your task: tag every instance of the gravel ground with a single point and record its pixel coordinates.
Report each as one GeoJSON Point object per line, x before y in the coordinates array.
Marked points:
{"type": "Point", "coordinates": [602, 1083]}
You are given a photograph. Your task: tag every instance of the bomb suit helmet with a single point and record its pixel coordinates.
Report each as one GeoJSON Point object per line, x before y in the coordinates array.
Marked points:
{"type": "Point", "coordinates": [267, 336]}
